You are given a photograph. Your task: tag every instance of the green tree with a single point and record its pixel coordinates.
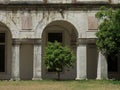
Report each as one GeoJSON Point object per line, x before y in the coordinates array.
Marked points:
{"type": "Point", "coordinates": [108, 41]}
{"type": "Point", "coordinates": [56, 57]}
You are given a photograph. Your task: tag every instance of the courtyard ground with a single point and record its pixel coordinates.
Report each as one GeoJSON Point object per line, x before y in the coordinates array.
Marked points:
{"type": "Point", "coordinates": [60, 85]}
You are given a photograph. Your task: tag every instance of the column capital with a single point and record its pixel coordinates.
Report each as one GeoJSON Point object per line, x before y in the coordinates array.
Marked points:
{"type": "Point", "coordinates": [34, 41]}
{"type": "Point", "coordinates": [84, 41]}
{"type": "Point", "coordinates": [37, 41]}
{"type": "Point", "coordinates": [16, 42]}
{"type": "Point", "coordinates": [91, 40]}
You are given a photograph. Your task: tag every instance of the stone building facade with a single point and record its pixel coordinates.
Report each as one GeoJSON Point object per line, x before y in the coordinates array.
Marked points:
{"type": "Point", "coordinates": [27, 25]}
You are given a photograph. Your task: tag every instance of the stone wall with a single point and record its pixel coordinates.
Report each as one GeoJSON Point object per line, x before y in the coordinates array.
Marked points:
{"type": "Point", "coordinates": [60, 1]}
{"type": "Point", "coordinates": [30, 24]}
{"type": "Point", "coordinates": [26, 20]}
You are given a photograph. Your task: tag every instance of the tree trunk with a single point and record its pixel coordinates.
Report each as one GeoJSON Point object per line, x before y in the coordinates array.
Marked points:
{"type": "Point", "coordinates": [58, 74]}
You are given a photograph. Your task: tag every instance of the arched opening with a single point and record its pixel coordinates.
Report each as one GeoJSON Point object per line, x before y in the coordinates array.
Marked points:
{"type": "Point", "coordinates": [5, 52]}
{"type": "Point", "coordinates": [65, 33]}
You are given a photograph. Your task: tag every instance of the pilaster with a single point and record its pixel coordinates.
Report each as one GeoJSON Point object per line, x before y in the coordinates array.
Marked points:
{"type": "Point", "coordinates": [37, 63]}
{"type": "Point", "coordinates": [81, 59]}
{"type": "Point", "coordinates": [102, 71]}
{"type": "Point", "coordinates": [15, 74]}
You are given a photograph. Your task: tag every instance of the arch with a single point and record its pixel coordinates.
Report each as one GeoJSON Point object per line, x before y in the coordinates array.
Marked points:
{"type": "Point", "coordinates": [59, 24]}
{"type": "Point", "coordinates": [10, 25]}
{"type": "Point", "coordinates": [6, 51]}
{"type": "Point", "coordinates": [4, 26]}
{"type": "Point", "coordinates": [66, 33]}
{"type": "Point", "coordinates": [41, 25]}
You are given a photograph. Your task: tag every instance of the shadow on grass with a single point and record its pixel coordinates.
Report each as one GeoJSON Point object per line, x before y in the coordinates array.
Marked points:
{"type": "Point", "coordinates": [114, 81]}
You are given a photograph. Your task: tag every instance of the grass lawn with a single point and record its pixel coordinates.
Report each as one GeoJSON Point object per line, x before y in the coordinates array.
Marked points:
{"type": "Point", "coordinates": [60, 85]}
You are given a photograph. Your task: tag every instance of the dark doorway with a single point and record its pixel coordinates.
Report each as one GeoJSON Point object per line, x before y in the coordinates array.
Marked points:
{"type": "Point", "coordinates": [2, 52]}
{"type": "Point", "coordinates": [112, 63]}
{"type": "Point", "coordinates": [52, 37]}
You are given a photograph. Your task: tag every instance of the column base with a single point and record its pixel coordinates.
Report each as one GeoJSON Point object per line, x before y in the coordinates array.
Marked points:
{"type": "Point", "coordinates": [15, 79]}
{"type": "Point", "coordinates": [36, 78]}
{"type": "Point", "coordinates": [81, 79]}
{"type": "Point", "coordinates": [98, 78]}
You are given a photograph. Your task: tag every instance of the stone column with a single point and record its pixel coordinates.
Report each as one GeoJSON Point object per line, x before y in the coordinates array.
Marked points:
{"type": "Point", "coordinates": [81, 60]}
{"type": "Point", "coordinates": [15, 73]}
{"type": "Point", "coordinates": [37, 64]}
{"type": "Point", "coordinates": [102, 72]}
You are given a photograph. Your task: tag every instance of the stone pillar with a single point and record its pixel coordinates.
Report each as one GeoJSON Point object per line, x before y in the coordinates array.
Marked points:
{"type": "Point", "coordinates": [102, 72]}
{"type": "Point", "coordinates": [15, 73]}
{"type": "Point", "coordinates": [81, 60]}
{"type": "Point", "coordinates": [37, 64]}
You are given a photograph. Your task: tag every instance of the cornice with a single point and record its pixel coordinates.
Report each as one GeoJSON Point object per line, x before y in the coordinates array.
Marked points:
{"type": "Point", "coordinates": [76, 6]}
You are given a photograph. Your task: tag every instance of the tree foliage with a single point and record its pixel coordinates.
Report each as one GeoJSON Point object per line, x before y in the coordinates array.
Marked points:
{"type": "Point", "coordinates": [108, 41]}
{"type": "Point", "coordinates": [56, 57]}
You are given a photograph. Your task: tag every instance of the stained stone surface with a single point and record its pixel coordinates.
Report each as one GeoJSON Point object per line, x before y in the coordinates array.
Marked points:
{"type": "Point", "coordinates": [60, 1]}
{"type": "Point", "coordinates": [27, 23]}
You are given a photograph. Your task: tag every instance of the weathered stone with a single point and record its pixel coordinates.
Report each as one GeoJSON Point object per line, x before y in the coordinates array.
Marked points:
{"type": "Point", "coordinates": [81, 62]}
{"type": "Point", "coordinates": [37, 63]}
{"type": "Point", "coordinates": [15, 61]}
{"type": "Point", "coordinates": [59, 1]}
{"type": "Point", "coordinates": [26, 0]}
{"type": "Point", "coordinates": [28, 22]}
{"type": "Point", "coordinates": [4, 1]}
{"type": "Point", "coordinates": [102, 72]}
{"type": "Point", "coordinates": [92, 23]}
{"type": "Point", "coordinates": [94, 0]}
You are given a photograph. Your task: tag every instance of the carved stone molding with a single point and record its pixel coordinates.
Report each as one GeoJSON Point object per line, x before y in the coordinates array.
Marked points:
{"type": "Point", "coordinates": [26, 41]}
{"type": "Point", "coordinates": [91, 40]}
{"type": "Point", "coordinates": [16, 42]}
{"type": "Point", "coordinates": [4, 1]}
{"type": "Point", "coordinates": [37, 41]}
{"type": "Point", "coordinates": [83, 41]}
